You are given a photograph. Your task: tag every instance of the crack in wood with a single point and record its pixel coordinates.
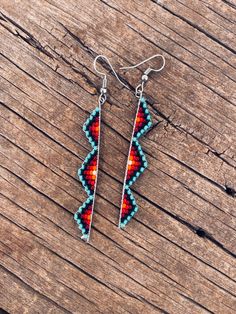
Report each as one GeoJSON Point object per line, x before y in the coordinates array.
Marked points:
{"type": "Point", "coordinates": [26, 36]}
{"type": "Point", "coordinates": [197, 27]}
{"type": "Point", "coordinates": [36, 291]}
{"type": "Point", "coordinates": [197, 230]}
{"type": "Point", "coordinates": [232, 5]}
{"type": "Point", "coordinates": [194, 302]}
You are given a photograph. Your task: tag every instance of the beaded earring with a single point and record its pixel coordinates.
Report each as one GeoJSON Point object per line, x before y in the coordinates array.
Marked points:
{"type": "Point", "coordinates": [136, 162]}
{"type": "Point", "coordinates": [88, 173]}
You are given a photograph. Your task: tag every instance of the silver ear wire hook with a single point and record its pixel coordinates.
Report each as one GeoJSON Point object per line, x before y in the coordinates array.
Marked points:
{"type": "Point", "coordinates": [149, 70]}
{"type": "Point", "coordinates": [140, 87]}
{"type": "Point", "coordinates": [104, 83]}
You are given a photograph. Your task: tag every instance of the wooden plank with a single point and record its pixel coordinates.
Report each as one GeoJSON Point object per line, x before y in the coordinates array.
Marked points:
{"type": "Point", "coordinates": [178, 253]}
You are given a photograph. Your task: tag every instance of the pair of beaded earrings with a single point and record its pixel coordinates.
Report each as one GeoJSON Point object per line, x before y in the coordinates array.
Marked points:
{"type": "Point", "coordinates": [136, 162]}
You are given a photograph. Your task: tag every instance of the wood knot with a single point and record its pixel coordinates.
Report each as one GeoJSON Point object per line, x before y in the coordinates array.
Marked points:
{"type": "Point", "coordinates": [200, 232]}
{"type": "Point", "coordinates": [230, 191]}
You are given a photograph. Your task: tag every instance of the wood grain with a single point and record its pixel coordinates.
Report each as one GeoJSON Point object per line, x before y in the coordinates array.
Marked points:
{"type": "Point", "coordinates": [178, 254]}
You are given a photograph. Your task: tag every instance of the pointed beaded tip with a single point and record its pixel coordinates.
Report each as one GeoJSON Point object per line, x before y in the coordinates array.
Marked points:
{"type": "Point", "coordinates": [85, 237]}
{"type": "Point", "coordinates": [121, 225]}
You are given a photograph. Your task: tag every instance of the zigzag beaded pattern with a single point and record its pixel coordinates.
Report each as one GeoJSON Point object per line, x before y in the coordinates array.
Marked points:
{"type": "Point", "coordinates": [88, 174]}
{"type": "Point", "coordinates": [136, 163]}
{"type": "Point", "coordinates": [129, 207]}
{"type": "Point", "coordinates": [142, 120]}
{"type": "Point", "coordinates": [91, 127]}
{"type": "Point", "coordinates": [83, 216]}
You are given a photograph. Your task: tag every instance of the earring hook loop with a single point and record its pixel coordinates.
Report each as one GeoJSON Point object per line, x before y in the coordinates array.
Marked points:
{"type": "Point", "coordinates": [139, 89]}
{"type": "Point", "coordinates": [104, 86]}
{"type": "Point", "coordinates": [148, 70]}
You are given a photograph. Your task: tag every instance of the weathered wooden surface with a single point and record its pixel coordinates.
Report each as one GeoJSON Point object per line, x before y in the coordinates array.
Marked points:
{"type": "Point", "coordinates": [178, 254]}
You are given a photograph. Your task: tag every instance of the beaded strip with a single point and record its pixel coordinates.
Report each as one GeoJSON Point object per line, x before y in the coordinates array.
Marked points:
{"type": "Point", "coordinates": [136, 163]}
{"type": "Point", "coordinates": [88, 173]}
